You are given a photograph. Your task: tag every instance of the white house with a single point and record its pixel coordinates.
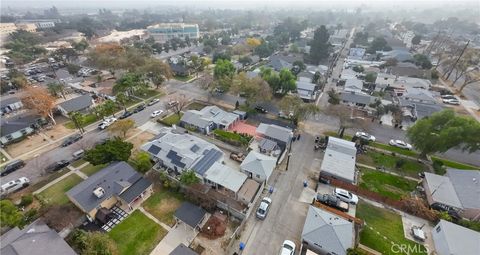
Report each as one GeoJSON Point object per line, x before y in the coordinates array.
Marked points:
{"type": "Point", "coordinates": [258, 166]}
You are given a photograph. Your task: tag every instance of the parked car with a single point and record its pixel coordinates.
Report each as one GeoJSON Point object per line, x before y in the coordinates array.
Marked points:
{"type": "Point", "coordinates": [156, 113]}
{"type": "Point", "coordinates": [345, 196]}
{"type": "Point", "coordinates": [139, 108]}
{"type": "Point", "coordinates": [72, 139]}
{"type": "Point", "coordinates": [332, 201]}
{"type": "Point", "coordinates": [448, 97]}
{"type": "Point", "coordinates": [172, 104]}
{"type": "Point", "coordinates": [452, 101]}
{"type": "Point", "coordinates": [400, 144]}
{"type": "Point", "coordinates": [288, 248]}
{"type": "Point", "coordinates": [153, 101]}
{"type": "Point", "coordinates": [56, 166]}
{"type": "Point", "coordinates": [263, 208]}
{"type": "Point", "coordinates": [365, 136]}
{"type": "Point", "coordinates": [13, 186]}
{"type": "Point", "coordinates": [106, 123]}
{"type": "Point", "coordinates": [125, 114]}
{"type": "Point", "coordinates": [260, 109]}
{"type": "Point", "coordinates": [78, 154]}
{"type": "Point", "coordinates": [12, 167]}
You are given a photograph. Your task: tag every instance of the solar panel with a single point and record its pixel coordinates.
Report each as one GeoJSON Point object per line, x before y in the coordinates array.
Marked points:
{"type": "Point", "coordinates": [210, 157]}
{"type": "Point", "coordinates": [154, 149]}
{"type": "Point", "coordinates": [175, 159]}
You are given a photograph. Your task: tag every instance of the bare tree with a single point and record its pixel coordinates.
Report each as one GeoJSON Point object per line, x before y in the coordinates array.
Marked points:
{"type": "Point", "coordinates": [344, 115]}
{"type": "Point", "coordinates": [178, 103]}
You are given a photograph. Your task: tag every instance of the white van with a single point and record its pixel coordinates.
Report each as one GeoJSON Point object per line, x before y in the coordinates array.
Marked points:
{"type": "Point", "coordinates": [78, 154]}
{"type": "Point", "coordinates": [13, 186]}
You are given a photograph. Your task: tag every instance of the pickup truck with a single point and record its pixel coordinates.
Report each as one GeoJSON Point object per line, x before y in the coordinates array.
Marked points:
{"type": "Point", "coordinates": [332, 201]}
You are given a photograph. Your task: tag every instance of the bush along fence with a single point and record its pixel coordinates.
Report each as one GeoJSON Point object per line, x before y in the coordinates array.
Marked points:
{"type": "Point", "coordinates": [232, 138]}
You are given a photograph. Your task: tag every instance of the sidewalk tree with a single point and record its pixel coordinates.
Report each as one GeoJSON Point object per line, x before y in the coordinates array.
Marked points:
{"type": "Point", "coordinates": [121, 127]}
{"type": "Point", "coordinates": [78, 120]}
{"type": "Point", "coordinates": [182, 102]}
{"type": "Point", "coordinates": [445, 130]}
{"type": "Point", "coordinates": [333, 97]}
{"type": "Point", "coordinates": [109, 108]}
{"type": "Point", "coordinates": [254, 90]}
{"type": "Point", "coordinates": [343, 113]}
{"type": "Point", "coordinates": [122, 99]}
{"type": "Point", "coordinates": [297, 109]}
{"type": "Point", "coordinates": [142, 162]}
{"type": "Point", "coordinates": [157, 72]}
{"type": "Point", "coordinates": [422, 61]}
{"type": "Point", "coordinates": [112, 150]}
{"type": "Point", "coordinates": [41, 101]}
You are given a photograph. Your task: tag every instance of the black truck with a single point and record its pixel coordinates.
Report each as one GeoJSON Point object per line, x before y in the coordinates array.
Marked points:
{"type": "Point", "coordinates": [332, 201]}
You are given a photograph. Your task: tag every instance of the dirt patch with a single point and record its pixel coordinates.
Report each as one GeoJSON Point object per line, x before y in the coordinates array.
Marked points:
{"type": "Point", "coordinates": [215, 246]}
{"type": "Point", "coordinates": [58, 132]}
{"type": "Point", "coordinates": [140, 138]}
{"type": "Point", "coordinates": [28, 144]}
{"type": "Point", "coordinates": [215, 226]}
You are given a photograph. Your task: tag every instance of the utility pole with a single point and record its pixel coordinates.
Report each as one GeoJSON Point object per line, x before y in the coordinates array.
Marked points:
{"type": "Point", "coordinates": [456, 61]}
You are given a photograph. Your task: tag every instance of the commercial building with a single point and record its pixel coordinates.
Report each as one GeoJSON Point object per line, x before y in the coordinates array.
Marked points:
{"type": "Point", "coordinates": [165, 31]}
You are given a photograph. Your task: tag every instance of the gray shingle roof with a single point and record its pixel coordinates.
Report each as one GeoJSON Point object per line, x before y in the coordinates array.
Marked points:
{"type": "Point", "coordinates": [442, 189]}
{"type": "Point", "coordinates": [308, 86]}
{"type": "Point", "coordinates": [113, 179]}
{"type": "Point", "coordinates": [356, 98]}
{"type": "Point", "coordinates": [467, 186]}
{"type": "Point", "coordinates": [275, 132]}
{"type": "Point", "coordinates": [451, 238]}
{"type": "Point", "coordinates": [9, 101]}
{"type": "Point", "coordinates": [267, 144]}
{"type": "Point", "coordinates": [183, 250]}
{"type": "Point", "coordinates": [135, 190]}
{"type": "Point", "coordinates": [16, 123]}
{"type": "Point", "coordinates": [328, 231]}
{"type": "Point", "coordinates": [258, 163]}
{"type": "Point", "coordinates": [190, 214]}
{"type": "Point", "coordinates": [35, 239]}
{"type": "Point", "coordinates": [339, 158]}
{"type": "Point", "coordinates": [77, 104]}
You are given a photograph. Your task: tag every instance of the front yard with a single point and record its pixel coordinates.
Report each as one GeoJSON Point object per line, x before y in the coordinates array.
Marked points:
{"type": "Point", "coordinates": [162, 204]}
{"type": "Point", "coordinates": [55, 194]}
{"type": "Point", "coordinates": [388, 185]}
{"type": "Point", "coordinates": [87, 120]}
{"type": "Point", "coordinates": [383, 231]}
{"type": "Point", "coordinates": [399, 165]}
{"type": "Point", "coordinates": [137, 234]}
{"type": "Point", "coordinates": [91, 169]}
{"type": "Point", "coordinates": [171, 120]}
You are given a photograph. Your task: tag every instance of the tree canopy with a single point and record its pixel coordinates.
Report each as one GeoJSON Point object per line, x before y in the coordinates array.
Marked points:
{"type": "Point", "coordinates": [142, 162]}
{"type": "Point", "coordinates": [445, 130]}
{"type": "Point", "coordinates": [112, 150]}
{"type": "Point", "coordinates": [23, 46]}
{"type": "Point", "coordinates": [9, 214]}
{"type": "Point", "coordinates": [121, 127]}
{"type": "Point", "coordinates": [423, 61]}
{"type": "Point", "coordinates": [254, 90]}
{"type": "Point", "coordinates": [378, 44]}
{"type": "Point", "coordinates": [319, 46]}
{"type": "Point", "coordinates": [296, 108]}
{"type": "Point", "coordinates": [223, 69]}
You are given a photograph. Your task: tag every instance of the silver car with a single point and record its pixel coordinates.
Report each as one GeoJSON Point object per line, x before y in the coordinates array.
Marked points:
{"type": "Point", "coordinates": [263, 208]}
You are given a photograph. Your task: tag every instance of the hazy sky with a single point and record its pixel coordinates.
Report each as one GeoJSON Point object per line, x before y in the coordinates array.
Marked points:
{"type": "Point", "coordinates": [243, 4]}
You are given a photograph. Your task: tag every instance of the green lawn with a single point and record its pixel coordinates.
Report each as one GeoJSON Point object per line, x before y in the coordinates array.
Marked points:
{"type": "Point", "coordinates": [377, 159]}
{"type": "Point", "coordinates": [182, 78]}
{"type": "Point", "coordinates": [387, 224]}
{"type": "Point", "coordinates": [149, 93]}
{"type": "Point", "coordinates": [91, 169]}
{"type": "Point", "coordinates": [388, 147]}
{"type": "Point", "coordinates": [55, 195]}
{"type": "Point", "coordinates": [195, 106]}
{"type": "Point", "coordinates": [78, 163]}
{"type": "Point", "coordinates": [334, 134]}
{"type": "Point", "coordinates": [137, 234]}
{"type": "Point", "coordinates": [89, 119]}
{"type": "Point", "coordinates": [454, 164]}
{"type": "Point", "coordinates": [48, 179]}
{"type": "Point", "coordinates": [171, 119]}
{"type": "Point", "coordinates": [162, 204]}
{"type": "Point", "coordinates": [389, 185]}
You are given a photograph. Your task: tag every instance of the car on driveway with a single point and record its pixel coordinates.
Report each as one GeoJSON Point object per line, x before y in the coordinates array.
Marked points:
{"type": "Point", "coordinates": [288, 248]}
{"type": "Point", "coordinates": [13, 186]}
{"type": "Point", "coordinates": [448, 97]}
{"type": "Point", "coordinates": [332, 201]}
{"type": "Point", "coordinates": [156, 113]}
{"type": "Point", "coordinates": [106, 123]}
{"type": "Point", "coordinates": [125, 114]}
{"type": "Point", "coordinates": [153, 101]}
{"type": "Point", "coordinates": [400, 144]}
{"type": "Point", "coordinates": [263, 208]}
{"type": "Point", "coordinates": [72, 139]}
{"type": "Point", "coordinates": [365, 136]}
{"type": "Point", "coordinates": [57, 166]}
{"type": "Point", "coordinates": [345, 196]}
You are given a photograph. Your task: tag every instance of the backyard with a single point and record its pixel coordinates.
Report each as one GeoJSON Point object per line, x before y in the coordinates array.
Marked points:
{"type": "Point", "coordinates": [399, 165]}
{"type": "Point", "coordinates": [55, 194]}
{"type": "Point", "coordinates": [137, 234]}
{"type": "Point", "coordinates": [388, 185]}
{"type": "Point", "coordinates": [381, 223]}
{"type": "Point", "coordinates": [162, 204]}
{"type": "Point", "coordinates": [232, 138]}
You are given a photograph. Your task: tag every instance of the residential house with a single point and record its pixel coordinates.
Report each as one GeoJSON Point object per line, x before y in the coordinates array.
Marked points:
{"type": "Point", "coordinates": [278, 62]}
{"type": "Point", "coordinates": [412, 111]}
{"type": "Point", "coordinates": [180, 69]}
{"type": "Point", "coordinates": [400, 55]}
{"type": "Point", "coordinates": [181, 249]}
{"type": "Point", "coordinates": [356, 53]}
{"type": "Point", "coordinates": [18, 127]}
{"type": "Point", "coordinates": [79, 104]}
{"type": "Point", "coordinates": [327, 233]}
{"type": "Point", "coordinates": [118, 184]}
{"type": "Point", "coordinates": [339, 160]}
{"type": "Point", "coordinates": [258, 166]}
{"type": "Point", "coordinates": [208, 119]}
{"type": "Point", "coordinates": [305, 76]}
{"type": "Point", "coordinates": [415, 95]}
{"type": "Point", "coordinates": [269, 147]}
{"type": "Point", "coordinates": [383, 81]}
{"type": "Point", "coordinates": [356, 99]}
{"type": "Point", "coordinates": [306, 90]}
{"type": "Point", "coordinates": [281, 135]}
{"type": "Point", "coordinates": [34, 239]}
{"type": "Point", "coordinates": [221, 176]}
{"type": "Point", "coordinates": [353, 85]}
{"type": "Point", "coordinates": [338, 37]}
{"type": "Point", "coordinates": [404, 83]}
{"type": "Point", "coordinates": [459, 189]}
{"type": "Point", "coordinates": [452, 239]}
{"type": "Point", "coordinates": [406, 69]}
{"type": "Point", "coordinates": [11, 104]}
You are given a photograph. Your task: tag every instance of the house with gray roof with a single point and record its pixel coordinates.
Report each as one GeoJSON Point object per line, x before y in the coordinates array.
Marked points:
{"type": "Point", "coordinates": [383, 81]}
{"type": "Point", "coordinates": [116, 184]}
{"type": "Point", "coordinates": [18, 127]}
{"type": "Point", "coordinates": [223, 176]}
{"type": "Point", "coordinates": [356, 99]}
{"type": "Point", "coordinates": [353, 85]}
{"type": "Point", "coordinates": [281, 135]}
{"type": "Point", "coordinates": [339, 160]}
{"type": "Point", "coordinates": [181, 249]}
{"type": "Point", "coordinates": [209, 118]}
{"type": "Point", "coordinates": [11, 104]}
{"type": "Point", "coordinates": [278, 62]}
{"type": "Point", "coordinates": [34, 239]}
{"type": "Point", "coordinates": [258, 166]}
{"type": "Point", "coordinates": [453, 239]}
{"type": "Point", "coordinates": [78, 104]}
{"type": "Point", "coordinates": [459, 189]}
{"type": "Point", "coordinates": [327, 233]}
{"type": "Point", "coordinates": [306, 90]}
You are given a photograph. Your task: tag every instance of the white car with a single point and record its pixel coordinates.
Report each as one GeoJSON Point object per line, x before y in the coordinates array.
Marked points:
{"type": "Point", "coordinates": [400, 144]}
{"type": "Point", "coordinates": [448, 97]}
{"type": "Point", "coordinates": [263, 208]}
{"type": "Point", "coordinates": [13, 186]}
{"type": "Point", "coordinates": [288, 248]}
{"type": "Point", "coordinates": [451, 101]}
{"type": "Point", "coordinates": [345, 196]}
{"type": "Point", "coordinates": [106, 123]}
{"type": "Point", "coordinates": [156, 113]}
{"type": "Point", "coordinates": [365, 136]}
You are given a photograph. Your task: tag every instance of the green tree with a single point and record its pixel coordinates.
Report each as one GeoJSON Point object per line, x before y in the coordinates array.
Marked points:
{"type": "Point", "coordinates": [92, 243]}
{"type": "Point", "coordinates": [254, 90]}
{"type": "Point", "coordinates": [265, 49]}
{"type": "Point", "coordinates": [371, 77]}
{"type": "Point", "coordinates": [55, 88]}
{"type": "Point", "coordinates": [142, 162]}
{"type": "Point", "coordinates": [122, 99]}
{"type": "Point", "coordinates": [122, 127]}
{"type": "Point", "coordinates": [286, 82]}
{"type": "Point", "coordinates": [73, 69]}
{"type": "Point", "coordinates": [23, 46]}
{"type": "Point", "coordinates": [223, 69]}
{"type": "Point", "coordinates": [319, 46]}
{"type": "Point", "coordinates": [78, 120]}
{"type": "Point", "coordinates": [189, 177]}
{"type": "Point", "coordinates": [109, 108]}
{"type": "Point", "coordinates": [297, 109]}
{"type": "Point", "coordinates": [422, 61]}
{"type": "Point", "coordinates": [112, 150]}
{"type": "Point", "coordinates": [333, 97]}
{"type": "Point", "coordinates": [416, 39]}
{"type": "Point", "coordinates": [378, 44]}
{"type": "Point", "coordinates": [9, 214]}
{"type": "Point", "coordinates": [157, 71]}
{"type": "Point", "coordinates": [131, 83]}
{"type": "Point", "coordinates": [245, 60]}
{"type": "Point", "coordinates": [358, 69]}
{"type": "Point", "coordinates": [80, 46]}
{"type": "Point", "coordinates": [445, 130]}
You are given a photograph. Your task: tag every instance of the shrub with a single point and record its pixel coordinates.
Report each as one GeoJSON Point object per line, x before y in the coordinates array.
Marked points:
{"type": "Point", "coordinates": [26, 200]}
{"type": "Point", "coordinates": [438, 167]}
{"type": "Point", "coordinates": [400, 162]}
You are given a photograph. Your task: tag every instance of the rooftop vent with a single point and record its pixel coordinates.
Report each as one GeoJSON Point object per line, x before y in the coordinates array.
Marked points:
{"type": "Point", "coordinates": [99, 192]}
